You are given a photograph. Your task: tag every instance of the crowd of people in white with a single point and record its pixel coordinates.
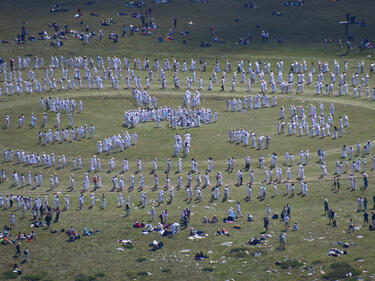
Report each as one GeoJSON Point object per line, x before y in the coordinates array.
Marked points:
{"type": "Point", "coordinates": [73, 70]}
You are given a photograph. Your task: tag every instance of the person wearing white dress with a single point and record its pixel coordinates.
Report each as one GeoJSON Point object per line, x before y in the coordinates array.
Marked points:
{"type": "Point", "coordinates": [67, 203]}
{"type": "Point", "coordinates": [104, 202]}
{"type": "Point", "coordinates": [120, 202]}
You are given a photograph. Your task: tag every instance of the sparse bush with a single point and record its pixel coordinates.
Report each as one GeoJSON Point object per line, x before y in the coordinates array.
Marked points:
{"type": "Point", "coordinates": [341, 270]}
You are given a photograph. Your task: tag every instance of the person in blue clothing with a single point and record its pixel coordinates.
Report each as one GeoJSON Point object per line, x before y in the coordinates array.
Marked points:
{"type": "Point", "coordinates": [365, 218]}
{"type": "Point", "coordinates": [326, 206]}
{"type": "Point", "coordinates": [266, 223]}
{"type": "Point", "coordinates": [123, 30]}
{"type": "Point", "coordinates": [365, 180]}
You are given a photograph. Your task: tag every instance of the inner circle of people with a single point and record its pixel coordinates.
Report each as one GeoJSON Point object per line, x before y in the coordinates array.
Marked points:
{"type": "Point", "coordinates": [20, 77]}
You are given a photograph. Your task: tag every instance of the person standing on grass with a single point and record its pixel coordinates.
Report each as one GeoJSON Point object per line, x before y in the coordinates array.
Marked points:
{"type": "Point", "coordinates": [18, 250]}
{"type": "Point", "coordinates": [80, 201]}
{"type": "Point", "coordinates": [104, 202]}
{"type": "Point", "coordinates": [67, 203]}
{"type": "Point", "coordinates": [120, 201]}
{"type": "Point", "coordinates": [334, 185]}
{"type": "Point", "coordinates": [92, 200]}
{"type": "Point", "coordinates": [12, 220]}
{"type": "Point", "coordinates": [48, 218]}
{"type": "Point", "coordinates": [26, 253]}
{"type": "Point", "coordinates": [282, 238]}
{"type": "Point", "coordinates": [153, 213]}
{"type": "Point", "coordinates": [286, 222]}
{"type": "Point", "coordinates": [127, 208]}
{"type": "Point", "coordinates": [331, 216]}
{"type": "Point", "coordinates": [326, 206]}
{"type": "Point", "coordinates": [7, 121]}
{"type": "Point", "coordinates": [58, 212]}
{"type": "Point", "coordinates": [360, 204]}
{"type": "Point", "coordinates": [248, 189]}
{"type": "Point", "coordinates": [238, 209]}
{"type": "Point", "coordinates": [365, 218]}
{"type": "Point", "coordinates": [365, 180]}
{"type": "Point", "coordinates": [266, 223]}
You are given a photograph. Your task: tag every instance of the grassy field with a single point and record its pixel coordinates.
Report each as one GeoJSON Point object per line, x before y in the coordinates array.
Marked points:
{"type": "Point", "coordinates": [97, 257]}
{"type": "Point", "coordinates": [302, 29]}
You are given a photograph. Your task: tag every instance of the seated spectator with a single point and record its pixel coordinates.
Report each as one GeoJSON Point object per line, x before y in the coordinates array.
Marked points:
{"type": "Point", "coordinates": [295, 227]}
{"type": "Point", "coordinates": [250, 217]}
{"type": "Point", "coordinates": [200, 256]}
{"type": "Point", "coordinates": [137, 224]}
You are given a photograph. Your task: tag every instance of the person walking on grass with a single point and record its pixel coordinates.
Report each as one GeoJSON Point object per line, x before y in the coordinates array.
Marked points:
{"type": "Point", "coordinates": [18, 250]}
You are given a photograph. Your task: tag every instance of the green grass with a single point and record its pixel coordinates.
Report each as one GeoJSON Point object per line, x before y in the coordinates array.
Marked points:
{"type": "Point", "coordinates": [100, 248]}
{"type": "Point", "coordinates": [287, 264]}
{"type": "Point", "coordinates": [302, 29]}
{"type": "Point", "coordinates": [7, 275]}
{"type": "Point", "coordinates": [310, 243]}
{"type": "Point", "coordinates": [96, 257]}
{"type": "Point", "coordinates": [341, 270]}
{"type": "Point", "coordinates": [32, 277]}
{"type": "Point", "coordinates": [82, 277]}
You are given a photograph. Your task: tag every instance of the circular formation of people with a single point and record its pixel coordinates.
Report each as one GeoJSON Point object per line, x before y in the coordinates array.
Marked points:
{"type": "Point", "coordinates": [255, 85]}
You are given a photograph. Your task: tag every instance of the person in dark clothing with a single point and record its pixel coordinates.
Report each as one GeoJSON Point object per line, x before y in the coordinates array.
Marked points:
{"type": "Point", "coordinates": [288, 210]}
{"type": "Point", "coordinates": [266, 223]}
{"type": "Point", "coordinates": [161, 218]}
{"type": "Point", "coordinates": [365, 218]}
{"type": "Point", "coordinates": [326, 207]}
{"type": "Point", "coordinates": [26, 253]}
{"type": "Point", "coordinates": [48, 218]}
{"type": "Point", "coordinates": [365, 201]}
{"type": "Point", "coordinates": [41, 212]}
{"type": "Point", "coordinates": [331, 216]}
{"type": "Point", "coordinates": [18, 250]}
{"type": "Point", "coordinates": [127, 208]}
{"type": "Point", "coordinates": [17, 269]}
{"type": "Point", "coordinates": [58, 212]}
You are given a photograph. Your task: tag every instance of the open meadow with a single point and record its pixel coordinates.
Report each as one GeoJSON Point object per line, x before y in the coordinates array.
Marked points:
{"type": "Point", "coordinates": [234, 247]}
